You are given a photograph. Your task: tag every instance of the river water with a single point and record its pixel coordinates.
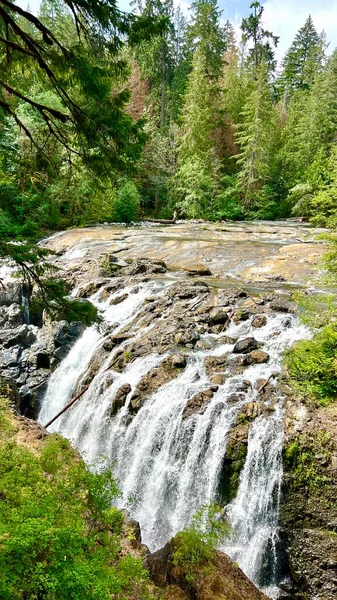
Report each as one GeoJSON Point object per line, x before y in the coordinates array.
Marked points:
{"type": "Point", "coordinates": [168, 467]}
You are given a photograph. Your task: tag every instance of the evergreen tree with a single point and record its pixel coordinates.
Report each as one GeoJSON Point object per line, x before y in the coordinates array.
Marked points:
{"type": "Point", "coordinates": [303, 60]}
{"type": "Point", "coordinates": [255, 139]}
{"type": "Point", "coordinates": [198, 169]}
{"type": "Point", "coordinates": [262, 39]}
{"type": "Point", "coordinates": [206, 34]}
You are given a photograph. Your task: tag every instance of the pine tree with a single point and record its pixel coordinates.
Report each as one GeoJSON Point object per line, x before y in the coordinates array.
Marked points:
{"type": "Point", "coordinates": [255, 138]}
{"type": "Point", "coordinates": [303, 60]}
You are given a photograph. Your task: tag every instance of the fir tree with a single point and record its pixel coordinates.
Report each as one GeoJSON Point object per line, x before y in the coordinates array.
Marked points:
{"type": "Point", "coordinates": [197, 173]}
{"type": "Point", "coordinates": [303, 60]}
{"type": "Point", "coordinates": [254, 138]}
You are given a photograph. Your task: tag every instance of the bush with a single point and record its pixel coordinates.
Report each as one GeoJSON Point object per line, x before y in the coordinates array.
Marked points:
{"type": "Point", "coordinates": [126, 204]}
{"type": "Point", "coordinates": [312, 364]}
{"type": "Point", "coordinates": [195, 545]}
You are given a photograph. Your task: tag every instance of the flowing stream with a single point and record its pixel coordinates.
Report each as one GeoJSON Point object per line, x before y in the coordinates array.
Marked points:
{"type": "Point", "coordinates": [168, 466]}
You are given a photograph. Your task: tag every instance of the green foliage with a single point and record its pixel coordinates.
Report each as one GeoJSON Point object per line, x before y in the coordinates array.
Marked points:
{"type": "Point", "coordinates": [195, 545]}
{"type": "Point", "coordinates": [255, 137]}
{"type": "Point", "coordinates": [312, 364]}
{"type": "Point", "coordinates": [59, 533]}
{"type": "Point", "coordinates": [126, 203]}
{"type": "Point", "coordinates": [301, 458]}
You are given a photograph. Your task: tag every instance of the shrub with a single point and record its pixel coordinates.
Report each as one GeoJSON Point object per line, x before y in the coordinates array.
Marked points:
{"type": "Point", "coordinates": [195, 545]}
{"type": "Point", "coordinates": [126, 204]}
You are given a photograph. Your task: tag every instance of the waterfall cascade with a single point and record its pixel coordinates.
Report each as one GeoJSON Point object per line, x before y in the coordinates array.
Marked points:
{"type": "Point", "coordinates": [169, 466]}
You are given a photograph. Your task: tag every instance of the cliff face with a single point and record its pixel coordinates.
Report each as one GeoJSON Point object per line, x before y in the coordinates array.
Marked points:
{"type": "Point", "coordinates": [309, 502]}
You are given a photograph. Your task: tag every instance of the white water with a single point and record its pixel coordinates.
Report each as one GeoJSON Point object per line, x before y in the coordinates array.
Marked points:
{"type": "Point", "coordinates": [168, 467]}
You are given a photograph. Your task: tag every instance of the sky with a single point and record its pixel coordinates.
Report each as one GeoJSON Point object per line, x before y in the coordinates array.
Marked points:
{"type": "Point", "coordinates": [282, 17]}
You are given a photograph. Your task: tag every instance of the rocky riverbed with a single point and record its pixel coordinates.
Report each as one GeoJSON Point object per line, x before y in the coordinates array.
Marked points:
{"type": "Point", "coordinates": [186, 389]}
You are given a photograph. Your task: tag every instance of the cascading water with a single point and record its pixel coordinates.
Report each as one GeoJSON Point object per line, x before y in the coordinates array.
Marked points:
{"type": "Point", "coordinates": [168, 467]}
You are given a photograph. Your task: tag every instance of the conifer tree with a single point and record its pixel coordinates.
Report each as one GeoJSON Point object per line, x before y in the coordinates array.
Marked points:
{"type": "Point", "coordinates": [262, 40]}
{"type": "Point", "coordinates": [303, 60]}
{"type": "Point", "coordinates": [255, 138]}
{"type": "Point", "coordinates": [205, 33]}
{"type": "Point", "coordinates": [197, 173]}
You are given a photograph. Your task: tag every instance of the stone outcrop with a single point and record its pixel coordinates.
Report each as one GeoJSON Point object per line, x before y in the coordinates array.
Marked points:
{"type": "Point", "coordinates": [218, 578]}
{"type": "Point", "coordinates": [309, 510]}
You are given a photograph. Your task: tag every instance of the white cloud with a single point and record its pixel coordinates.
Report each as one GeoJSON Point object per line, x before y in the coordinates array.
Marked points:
{"type": "Point", "coordinates": [285, 17]}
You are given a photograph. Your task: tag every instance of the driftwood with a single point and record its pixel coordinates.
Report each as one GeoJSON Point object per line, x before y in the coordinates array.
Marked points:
{"type": "Point", "coordinates": [265, 383]}
{"type": "Point", "coordinates": [68, 405]}
{"type": "Point", "coordinates": [161, 221]}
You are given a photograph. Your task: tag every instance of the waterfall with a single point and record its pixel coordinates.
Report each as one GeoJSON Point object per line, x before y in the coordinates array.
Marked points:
{"type": "Point", "coordinates": [169, 467]}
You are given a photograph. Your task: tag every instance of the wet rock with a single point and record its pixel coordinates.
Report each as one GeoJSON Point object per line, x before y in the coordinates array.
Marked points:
{"type": "Point", "coordinates": [240, 315]}
{"type": "Point", "coordinates": [283, 305]}
{"type": "Point", "coordinates": [197, 404]}
{"type": "Point", "coordinates": [256, 357]}
{"type": "Point", "coordinates": [88, 289]}
{"type": "Point", "coordinates": [245, 346]}
{"type": "Point", "coordinates": [252, 410]}
{"type": "Point", "coordinates": [219, 315]}
{"type": "Point", "coordinates": [217, 379]}
{"type": "Point", "coordinates": [197, 269]}
{"type": "Point", "coordinates": [143, 266]}
{"type": "Point", "coordinates": [120, 398]}
{"type": "Point", "coordinates": [235, 398]}
{"type": "Point", "coordinates": [186, 337]}
{"type": "Point", "coordinates": [215, 363]}
{"type": "Point", "coordinates": [184, 290]}
{"type": "Point", "coordinates": [153, 380]}
{"type": "Point", "coordinates": [259, 321]}
{"type": "Point", "coordinates": [179, 361]}
{"type": "Point", "coordinates": [118, 299]}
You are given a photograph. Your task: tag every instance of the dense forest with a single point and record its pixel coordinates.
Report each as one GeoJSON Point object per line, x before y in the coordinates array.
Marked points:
{"type": "Point", "coordinates": [145, 114]}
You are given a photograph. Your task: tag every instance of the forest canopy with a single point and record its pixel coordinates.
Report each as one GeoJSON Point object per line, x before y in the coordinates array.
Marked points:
{"type": "Point", "coordinates": [110, 116]}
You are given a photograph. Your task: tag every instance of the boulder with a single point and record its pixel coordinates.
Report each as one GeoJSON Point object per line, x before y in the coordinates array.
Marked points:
{"type": "Point", "coordinates": [246, 345]}
{"type": "Point", "coordinates": [142, 266]}
{"type": "Point", "coordinates": [187, 337]}
{"type": "Point", "coordinates": [256, 357]}
{"type": "Point", "coordinates": [120, 398]}
{"type": "Point", "coordinates": [214, 578]}
{"type": "Point", "coordinates": [259, 321]}
{"type": "Point", "coordinates": [179, 361]}
{"type": "Point", "coordinates": [184, 290]}
{"type": "Point", "coordinates": [198, 269]}
{"type": "Point", "coordinates": [197, 404]}
{"type": "Point", "coordinates": [219, 315]}
{"type": "Point", "coordinates": [241, 315]}
{"type": "Point", "coordinates": [215, 363]}
{"type": "Point", "coordinates": [281, 304]}
{"type": "Point", "coordinates": [153, 380]}
{"type": "Point", "coordinates": [118, 299]}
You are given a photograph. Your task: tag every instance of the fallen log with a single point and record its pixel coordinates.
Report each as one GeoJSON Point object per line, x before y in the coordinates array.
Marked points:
{"type": "Point", "coordinates": [265, 383]}
{"type": "Point", "coordinates": [68, 405]}
{"type": "Point", "coordinates": [161, 221]}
